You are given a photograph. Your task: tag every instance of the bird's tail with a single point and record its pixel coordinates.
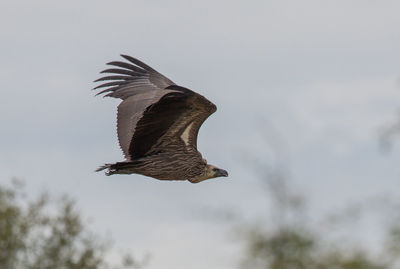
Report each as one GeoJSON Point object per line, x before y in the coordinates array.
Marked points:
{"type": "Point", "coordinates": [117, 168]}
{"type": "Point", "coordinates": [111, 168]}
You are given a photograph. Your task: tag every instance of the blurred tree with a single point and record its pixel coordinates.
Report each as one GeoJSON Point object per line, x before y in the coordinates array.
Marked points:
{"type": "Point", "coordinates": [33, 238]}
{"type": "Point", "coordinates": [288, 241]}
{"type": "Point", "coordinates": [278, 250]}
{"type": "Point", "coordinates": [295, 248]}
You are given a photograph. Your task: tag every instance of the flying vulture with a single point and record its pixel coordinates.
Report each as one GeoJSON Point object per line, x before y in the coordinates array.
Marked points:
{"type": "Point", "coordinates": [157, 124]}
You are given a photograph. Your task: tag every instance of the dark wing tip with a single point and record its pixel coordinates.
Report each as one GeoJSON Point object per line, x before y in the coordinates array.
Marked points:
{"type": "Point", "coordinates": [123, 78]}
{"type": "Point", "coordinates": [137, 62]}
{"type": "Point", "coordinates": [127, 66]}
{"type": "Point", "coordinates": [126, 56]}
{"type": "Point", "coordinates": [132, 71]}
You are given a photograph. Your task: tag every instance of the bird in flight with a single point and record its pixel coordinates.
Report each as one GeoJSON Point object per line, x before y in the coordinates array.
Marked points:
{"type": "Point", "coordinates": [157, 124]}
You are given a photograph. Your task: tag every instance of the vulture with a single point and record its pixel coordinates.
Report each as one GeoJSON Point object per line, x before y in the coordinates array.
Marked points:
{"type": "Point", "coordinates": [157, 124]}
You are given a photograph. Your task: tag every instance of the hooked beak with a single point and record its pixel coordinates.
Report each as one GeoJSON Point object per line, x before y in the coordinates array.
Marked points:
{"type": "Point", "coordinates": [221, 173]}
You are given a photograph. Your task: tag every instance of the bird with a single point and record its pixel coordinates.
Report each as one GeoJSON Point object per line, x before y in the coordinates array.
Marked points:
{"type": "Point", "coordinates": [157, 124]}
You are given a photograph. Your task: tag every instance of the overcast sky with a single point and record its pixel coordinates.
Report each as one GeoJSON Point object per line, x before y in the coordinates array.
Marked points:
{"type": "Point", "coordinates": [321, 76]}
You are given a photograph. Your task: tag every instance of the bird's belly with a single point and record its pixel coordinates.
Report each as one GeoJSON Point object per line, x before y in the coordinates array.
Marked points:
{"type": "Point", "coordinates": [165, 170]}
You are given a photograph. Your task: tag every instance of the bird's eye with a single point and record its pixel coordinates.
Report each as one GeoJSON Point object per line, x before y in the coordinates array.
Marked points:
{"type": "Point", "coordinates": [215, 169]}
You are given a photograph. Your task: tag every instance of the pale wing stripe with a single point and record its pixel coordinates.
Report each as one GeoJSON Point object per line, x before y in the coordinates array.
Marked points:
{"type": "Point", "coordinates": [186, 134]}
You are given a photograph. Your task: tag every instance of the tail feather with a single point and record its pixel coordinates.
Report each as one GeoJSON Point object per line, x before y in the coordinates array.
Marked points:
{"type": "Point", "coordinates": [117, 168]}
{"type": "Point", "coordinates": [111, 169]}
{"type": "Point", "coordinates": [105, 166]}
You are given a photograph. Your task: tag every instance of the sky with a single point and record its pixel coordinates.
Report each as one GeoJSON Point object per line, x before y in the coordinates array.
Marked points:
{"type": "Point", "coordinates": [308, 84]}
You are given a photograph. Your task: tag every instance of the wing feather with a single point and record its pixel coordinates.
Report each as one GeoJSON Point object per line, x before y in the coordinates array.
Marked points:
{"type": "Point", "coordinates": [138, 76]}
{"type": "Point", "coordinates": [139, 86]}
{"type": "Point", "coordinates": [154, 111]}
{"type": "Point", "coordinates": [120, 83]}
{"type": "Point", "coordinates": [138, 63]}
{"type": "Point", "coordinates": [130, 111]}
{"type": "Point", "coordinates": [119, 71]}
{"type": "Point", "coordinates": [127, 66]}
{"type": "Point", "coordinates": [166, 122]}
{"type": "Point", "coordinates": [113, 78]}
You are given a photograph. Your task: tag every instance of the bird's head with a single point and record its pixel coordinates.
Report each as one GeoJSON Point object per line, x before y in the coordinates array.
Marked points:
{"type": "Point", "coordinates": [210, 171]}
{"type": "Point", "coordinates": [213, 171]}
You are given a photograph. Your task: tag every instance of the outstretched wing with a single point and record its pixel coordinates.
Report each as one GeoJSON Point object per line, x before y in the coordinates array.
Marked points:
{"type": "Point", "coordinates": [174, 120]}
{"type": "Point", "coordinates": [132, 78]}
{"type": "Point", "coordinates": [139, 86]}
{"type": "Point", "coordinates": [155, 113]}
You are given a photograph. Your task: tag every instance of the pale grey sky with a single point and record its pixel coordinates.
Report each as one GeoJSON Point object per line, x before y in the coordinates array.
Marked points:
{"type": "Point", "coordinates": [323, 74]}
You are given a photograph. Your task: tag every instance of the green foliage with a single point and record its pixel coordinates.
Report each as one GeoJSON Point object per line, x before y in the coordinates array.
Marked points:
{"type": "Point", "coordinates": [295, 248]}
{"type": "Point", "coordinates": [282, 249]}
{"type": "Point", "coordinates": [292, 243]}
{"type": "Point", "coordinates": [33, 238]}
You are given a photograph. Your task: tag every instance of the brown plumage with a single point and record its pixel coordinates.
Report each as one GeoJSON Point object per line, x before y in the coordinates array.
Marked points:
{"type": "Point", "coordinates": [157, 124]}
